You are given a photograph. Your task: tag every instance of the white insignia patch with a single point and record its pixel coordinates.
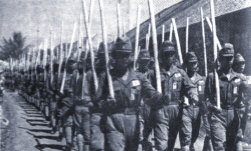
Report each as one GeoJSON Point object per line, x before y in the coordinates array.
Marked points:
{"type": "Point", "coordinates": [177, 75]}
{"type": "Point", "coordinates": [235, 90]}
{"type": "Point", "coordinates": [199, 88]}
{"type": "Point", "coordinates": [249, 80]}
{"type": "Point", "coordinates": [237, 80]}
{"type": "Point", "coordinates": [174, 86]}
{"type": "Point", "coordinates": [135, 83]}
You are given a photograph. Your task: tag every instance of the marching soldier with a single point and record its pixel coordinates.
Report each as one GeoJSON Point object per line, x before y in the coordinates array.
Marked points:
{"type": "Point", "coordinates": [191, 117]}
{"type": "Point", "coordinates": [66, 104]}
{"type": "Point", "coordinates": [175, 84]}
{"type": "Point", "coordinates": [122, 123]}
{"type": "Point", "coordinates": [54, 98]}
{"type": "Point", "coordinates": [243, 104]}
{"type": "Point", "coordinates": [82, 110]}
{"type": "Point", "coordinates": [224, 121]}
{"type": "Point", "coordinates": [144, 67]}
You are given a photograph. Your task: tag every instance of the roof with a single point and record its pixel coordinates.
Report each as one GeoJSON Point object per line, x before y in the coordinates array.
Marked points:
{"type": "Point", "coordinates": [190, 8]}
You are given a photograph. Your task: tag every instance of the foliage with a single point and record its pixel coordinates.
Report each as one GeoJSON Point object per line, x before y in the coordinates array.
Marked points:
{"type": "Point", "coordinates": [13, 47]}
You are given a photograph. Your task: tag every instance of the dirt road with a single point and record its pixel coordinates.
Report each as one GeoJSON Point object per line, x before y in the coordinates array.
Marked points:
{"type": "Point", "coordinates": [27, 130]}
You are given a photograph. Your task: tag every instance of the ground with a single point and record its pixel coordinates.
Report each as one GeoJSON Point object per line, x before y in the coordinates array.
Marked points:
{"type": "Point", "coordinates": [28, 130]}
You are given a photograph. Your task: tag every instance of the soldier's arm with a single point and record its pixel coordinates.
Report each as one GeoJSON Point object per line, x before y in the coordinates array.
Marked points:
{"type": "Point", "coordinates": [210, 92]}
{"type": "Point", "coordinates": [188, 88]}
{"type": "Point", "coordinates": [149, 92]}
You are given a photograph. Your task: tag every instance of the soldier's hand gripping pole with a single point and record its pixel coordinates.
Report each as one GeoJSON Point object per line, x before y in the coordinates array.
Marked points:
{"type": "Point", "coordinates": [68, 56]}
{"type": "Point", "coordinates": [215, 54]}
{"type": "Point", "coordinates": [155, 46]}
{"type": "Point", "coordinates": [88, 34]}
{"type": "Point", "coordinates": [104, 35]}
{"type": "Point", "coordinates": [136, 49]}
{"type": "Point", "coordinates": [204, 40]}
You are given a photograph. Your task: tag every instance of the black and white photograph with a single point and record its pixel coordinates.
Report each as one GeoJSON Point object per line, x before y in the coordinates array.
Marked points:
{"type": "Point", "coordinates": [125, 75]}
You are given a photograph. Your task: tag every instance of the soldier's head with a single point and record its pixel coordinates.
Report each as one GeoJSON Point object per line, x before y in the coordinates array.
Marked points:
{"type": "Point", "coordinates": [144, 60]}
{"type": "Point", "coordinates": [239, 63]}
{"type": "Point", "coordinates": [226, 56]}
{"type": "Point", "coordinates": [40, 69]}
{"type": "Point", "coordinates": [121, 54]}
{"type": "Point", "coordinates": [168, 53]}
{"type": "Point", "coordinates": [71, 65]}
{"type": "Point", "coordinates": [191, 62]}
{"type": "Point", "coordinates": [100, 59]}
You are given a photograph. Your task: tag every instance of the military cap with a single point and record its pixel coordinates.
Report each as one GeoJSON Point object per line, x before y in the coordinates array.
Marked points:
{"type": "Point", "coordinates": [47, 67]}
{"type": "Point", "coordinates": [144, 55]}
{"type": "Point", "coordinates": [72, 59]}
{"type": "Point", "coordinates": [227, 50]}
{"type": "Point", "coordinates": [40, 69]}
{"type": "Point", "coordinates": [167, 46]}
{"type": "Point", "coordinates": [191, 57]}
{"type": "Point", "coordinates": [238, 58]}
{"type": "Point", "coordinates": [122, 45]}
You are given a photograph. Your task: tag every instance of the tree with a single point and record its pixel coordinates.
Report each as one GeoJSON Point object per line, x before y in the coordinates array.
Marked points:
{"type": "Point", "coordinates": [13, 47]}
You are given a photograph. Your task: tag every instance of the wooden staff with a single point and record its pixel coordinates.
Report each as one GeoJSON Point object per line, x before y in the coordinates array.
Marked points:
{"type": "Point", "coordinates": [155, 46]}
{"type": "Point", "coordinates": [177, 41]}
{"type": "Point", "coordinates": [51, 59]}
{"type": "Point", "coordinates": [90, 13]}
{"type": "Point", "coordinates": [45, 58]}
{"type": "Point", "coordinates": [217, 85]}
{"type": "Point", "coordinates": [211, 28]}
{"type": "Point", "coordinates": [137, 37]}
{"type": "Point", "coordinates": [187, 34]}
{"type": "Point", "coordinates": [88, 34]}
{"type": "Point", "coordinates": [118, 20]}
{"type": "Point", "coordinates": [163, 33]}
{"type": "Point", "coordinates": [148, 35]}
{"type": "Point", "coordinates": [204, 40]}
{"type": "Point", "coordinates": [68, 56]}
{"type": "Point", "coordinates": [171, 32]}
{"type": "Point", "coordinates": [104, 35]}
{"type": "Point", "coordinates": [60, 52]}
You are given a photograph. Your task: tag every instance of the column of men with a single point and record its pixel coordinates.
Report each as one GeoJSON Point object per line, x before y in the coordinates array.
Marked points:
{"type": "Point", "coordinates": [126, 122]}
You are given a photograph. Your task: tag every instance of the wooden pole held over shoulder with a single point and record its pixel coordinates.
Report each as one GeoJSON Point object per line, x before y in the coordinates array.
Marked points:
{"type": "Point", "coordinates": [88, 34]}
{"type": "Point", "coordinates": [155, 46]}
{"type": "Point", "coordinates": [104, 34]}
{"type": "Point", "coordinates": [137, 37]}
{"type": "Point", "coordinates": [204, 40]}
{"type": "Point", "coordinates": [177, 41]}
{"type": "Point", "coordinates": [187, 34]}
{"type": "Point", "coordinates": [217, 85]}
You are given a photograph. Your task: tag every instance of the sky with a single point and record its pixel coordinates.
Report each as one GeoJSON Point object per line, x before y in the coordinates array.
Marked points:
{"type": "Point", "coordinates": [36, 18]}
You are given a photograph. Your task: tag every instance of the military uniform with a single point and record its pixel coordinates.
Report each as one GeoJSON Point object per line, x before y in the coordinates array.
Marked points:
{"type": "Point", "coordinates": [122, 122]}
{"type": "Point", "coordinates": [146, 113]}
{"type": "Point", "coordinates": [224, 123]}
{"type": "Point", "coordinates": [66, 105]}
{"type": "Point", "coordinates": [175, 84]}
{"type": "Point", "coordinates": [243, 103]}
{"type": "Point", "coordinates": [191, 117]}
